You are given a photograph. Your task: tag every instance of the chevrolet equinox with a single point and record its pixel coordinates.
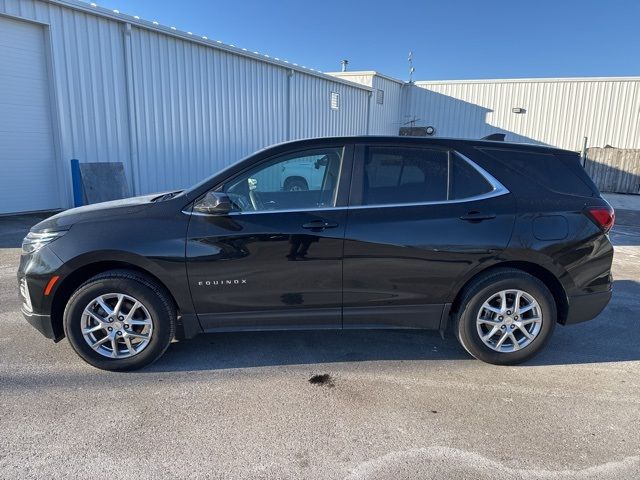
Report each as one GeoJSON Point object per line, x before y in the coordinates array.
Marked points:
{"type": "Point", "coordinates": [496, 241]}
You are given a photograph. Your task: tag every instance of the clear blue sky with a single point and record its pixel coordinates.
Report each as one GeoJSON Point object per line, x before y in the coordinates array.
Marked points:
{"type": "Point", "coordinates": [450, 39]}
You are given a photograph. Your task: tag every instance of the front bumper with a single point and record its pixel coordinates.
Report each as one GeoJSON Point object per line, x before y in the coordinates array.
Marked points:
{"type": "Point", "coordinates": [42, 323]}
{"type": "Point", "coordinates": [586, 307]}
{"type": "Point", "coordinates": [34, 273]}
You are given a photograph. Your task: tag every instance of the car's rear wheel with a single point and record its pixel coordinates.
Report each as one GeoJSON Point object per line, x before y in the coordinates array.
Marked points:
{"type": "Point", "coordinates": [505, 317]}
{"type": "Point", "coordinates": [119, 320]}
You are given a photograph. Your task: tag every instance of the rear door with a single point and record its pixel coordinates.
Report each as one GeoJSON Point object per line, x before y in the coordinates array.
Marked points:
{"type": "Point", "coordinates": [420, 219]}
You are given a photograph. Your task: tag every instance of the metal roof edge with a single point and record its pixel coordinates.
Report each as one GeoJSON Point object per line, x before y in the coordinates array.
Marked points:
{"type": "Point", "coordinates": [366, 72]}
{"type": "Point", "coordinates": [94, 9]}
{"type": "Point", "coordinates": [531, 80]}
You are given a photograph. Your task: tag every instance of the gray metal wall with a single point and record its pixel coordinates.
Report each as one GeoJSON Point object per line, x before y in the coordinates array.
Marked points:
{"type": "Point", "coordinates": [173, 107]}
{"type": "Point", "coordinates": [614, 169]}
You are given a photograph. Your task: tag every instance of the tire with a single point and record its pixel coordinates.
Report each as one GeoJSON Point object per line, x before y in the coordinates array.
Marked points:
{"type": "Point", "coordinates": [295, 185]}
{"type": "Point", "coordinates": [474, 317]}
{"type": "Point", "coordinates": [154, 316]}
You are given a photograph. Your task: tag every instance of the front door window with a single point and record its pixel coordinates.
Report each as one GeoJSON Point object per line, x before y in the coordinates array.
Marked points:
{"type": "Point", "coordinates": [296, 181]}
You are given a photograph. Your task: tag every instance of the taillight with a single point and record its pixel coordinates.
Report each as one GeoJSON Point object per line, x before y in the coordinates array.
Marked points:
{"type": "Point", "coordinates": [604, 217]}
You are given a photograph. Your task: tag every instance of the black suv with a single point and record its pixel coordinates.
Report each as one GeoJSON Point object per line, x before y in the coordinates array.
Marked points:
{"type": "Point", "coordinates": [497, 241]}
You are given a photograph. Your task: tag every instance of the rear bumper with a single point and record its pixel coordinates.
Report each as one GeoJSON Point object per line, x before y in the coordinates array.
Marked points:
{"type": "Point", "coordinates": [586, 307]}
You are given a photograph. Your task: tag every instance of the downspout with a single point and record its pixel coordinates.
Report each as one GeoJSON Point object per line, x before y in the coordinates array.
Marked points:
{"type": "Point", "coordinates": [290, 74]}
{"type": "Point", "coordinates": [131, 116]}
{"type": "Point", "coordinates": [583, 154]}
{"type": "Point", "coordinates": [370, 97]}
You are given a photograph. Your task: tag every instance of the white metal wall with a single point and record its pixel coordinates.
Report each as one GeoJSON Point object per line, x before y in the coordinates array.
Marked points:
{"type": "Point", "coordinates": [559, 112]}
{"type": "Point", "coordinates": [173, 107]}
{"type": "Point", "coordinates": [199, 109]}
{"type": "Point", "coordinates": [86, 84]}
{"type": "Point", "coordinates": [310, 115]}
{"type": "Point", "coordinates": [385, 118]}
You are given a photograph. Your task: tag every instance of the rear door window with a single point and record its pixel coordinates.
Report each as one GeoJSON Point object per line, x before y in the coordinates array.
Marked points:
{"type": "Point", "coordinates": [404, 175]}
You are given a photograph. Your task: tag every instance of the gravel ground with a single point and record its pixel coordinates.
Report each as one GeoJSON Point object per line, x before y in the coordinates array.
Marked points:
{"type": "Point", "coordinates": [393, 405]}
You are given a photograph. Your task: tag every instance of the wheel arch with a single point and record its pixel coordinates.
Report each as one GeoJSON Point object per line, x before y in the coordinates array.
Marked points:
{"type": "Point", "coordinates": [547, 277]}
{"type": "Point", "coordinates": [71, 282]}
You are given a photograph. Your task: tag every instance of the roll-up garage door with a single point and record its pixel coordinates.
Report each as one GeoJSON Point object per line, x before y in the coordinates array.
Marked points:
{"type": "Point", "coordinates": [28, 179]}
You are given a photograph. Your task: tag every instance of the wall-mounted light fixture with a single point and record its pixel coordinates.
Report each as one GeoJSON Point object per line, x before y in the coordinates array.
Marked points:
{"type": "Point", "coordinates": [518, 110]}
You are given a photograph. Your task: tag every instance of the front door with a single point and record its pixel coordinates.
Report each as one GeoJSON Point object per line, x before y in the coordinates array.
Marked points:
{"type": "Point", "coordinates": [275, 261]}
{"type": "Point", "coordinates": [421, 219]}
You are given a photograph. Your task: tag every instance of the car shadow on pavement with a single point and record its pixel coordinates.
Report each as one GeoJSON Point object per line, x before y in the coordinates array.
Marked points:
{"type": "Point", "coordinates": [612, 337]}
{"type": "Point", "coordinates": [261, 349]}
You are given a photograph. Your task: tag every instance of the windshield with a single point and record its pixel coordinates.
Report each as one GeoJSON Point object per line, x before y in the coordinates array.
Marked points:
{"type": "Point", "coordinates": [203, 182]}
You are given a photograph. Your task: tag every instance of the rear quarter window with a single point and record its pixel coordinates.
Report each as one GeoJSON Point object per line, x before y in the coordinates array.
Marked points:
{"type": "Point", "coordinates": [550, 171]}
{"type": "Point", "coordinates": [465, 181]}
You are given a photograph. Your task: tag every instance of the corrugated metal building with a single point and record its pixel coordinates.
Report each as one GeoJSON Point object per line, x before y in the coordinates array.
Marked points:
{"type": "Point", "coordinates": [568, 113]}
{"type": "Point", "coordinates": [80, 81]}
{"type": "Point", "coordinates": [553, 111]}
{"type": "Point", "coordinates": [387, 100]}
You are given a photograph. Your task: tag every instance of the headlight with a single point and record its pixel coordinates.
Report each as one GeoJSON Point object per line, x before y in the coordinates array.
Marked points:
{"type": "Point", "coordinates": [34, 241]}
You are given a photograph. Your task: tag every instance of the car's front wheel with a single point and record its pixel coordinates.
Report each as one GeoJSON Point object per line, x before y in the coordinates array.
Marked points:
{"type": "Point", "coordinates": [505, 317]}
{"type": "Point", "coordinates": [119, 320]}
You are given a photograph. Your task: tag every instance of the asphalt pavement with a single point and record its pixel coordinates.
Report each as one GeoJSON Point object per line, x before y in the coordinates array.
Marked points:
{"type": "Point", "coordinates": [380, 404]}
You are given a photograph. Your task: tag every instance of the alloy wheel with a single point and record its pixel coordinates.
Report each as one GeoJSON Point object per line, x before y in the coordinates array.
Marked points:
{"type": "Point", "coordinates": [509, 320]}
{"type": "Point", "coordinates": [116, 325]}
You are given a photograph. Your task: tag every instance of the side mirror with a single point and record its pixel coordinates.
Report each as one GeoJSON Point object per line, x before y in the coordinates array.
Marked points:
{"type": "Point", "coordinates": [213, 203]}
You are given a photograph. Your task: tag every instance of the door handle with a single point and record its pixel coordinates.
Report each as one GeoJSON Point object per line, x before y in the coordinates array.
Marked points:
{"type": "Point", "coordinates": [319, 225]}
{"type": "Point", "coordinates": [475, 217]}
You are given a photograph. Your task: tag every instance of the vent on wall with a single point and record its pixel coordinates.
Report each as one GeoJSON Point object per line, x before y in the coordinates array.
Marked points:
{"type": "Point", "coordinates": [335, 101]}
{"type": "Point", "coordinates": [379, 96]}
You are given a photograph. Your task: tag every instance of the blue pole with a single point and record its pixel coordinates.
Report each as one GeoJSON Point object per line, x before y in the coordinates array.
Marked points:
{"type": "Point", "coordinates": [76, 180]}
